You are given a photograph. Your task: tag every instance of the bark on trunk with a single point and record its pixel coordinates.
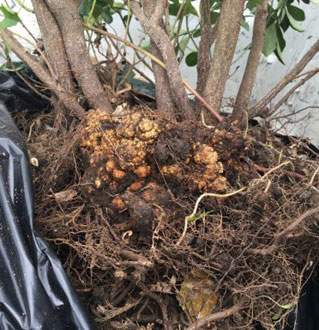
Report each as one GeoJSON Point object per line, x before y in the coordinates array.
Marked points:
{"type": "Point", "coordinates": [54, 46]}
{"type": "Point", "coordinates": [69, 101]}
{"type": "Point", "coordinates": [225, 45]}
{"type": "Point", "coordinates": [248, 80]}
{"type": "Point", "coordinates": [161, 39]}
{"type": "Point", "coordinates": [65, 13]}
{"type": "Point", "coordinates": [206, 40]}
{"type": "Point", "coordinates": [164, 99]}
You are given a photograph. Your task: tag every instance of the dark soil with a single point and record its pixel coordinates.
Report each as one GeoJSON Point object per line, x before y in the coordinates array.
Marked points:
{"type": "Point", "coordinates": [121, 202]}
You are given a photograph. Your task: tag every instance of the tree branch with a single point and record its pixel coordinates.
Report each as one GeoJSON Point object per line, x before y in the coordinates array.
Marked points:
{"type": "Point", "coordinates": [66, 14]}
{"type": "Point", "coordinates": [164, 99]}
{"type": "Point", "coordinates": [53, 44]}
{"type": "Point", "coordinates": [161, 39]}
{"type": "Point", "coordinates": [207, 38]}
{"type": "Point", "coordinates": [259, 107]}
{"type": "Point", "coordinates": [278, 237]}
{"type": "Point", "coordinates": [42, 73]}
{"type": "Point", "coordinates": [257, 45]}
{"type": "Point", "coordinates": [217, 316]}
{"type": "Point", "coordinates": [225, 45]}
{"type": "Point", "coordinates": [291, 91]}
{"type": "Point", "coordinates": [160, 63]}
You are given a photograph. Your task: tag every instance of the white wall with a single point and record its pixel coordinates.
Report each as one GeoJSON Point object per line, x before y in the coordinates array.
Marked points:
{"type": "Point", "coordinates": [270, 70]}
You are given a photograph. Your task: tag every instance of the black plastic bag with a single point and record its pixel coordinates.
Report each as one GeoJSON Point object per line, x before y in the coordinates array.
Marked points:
{"type": "Point", "coordinates": [34, 290]}
{"type": "Point", "coordinates": [16, 94]}
{"type": "Point", "coordinates": [306, 315]}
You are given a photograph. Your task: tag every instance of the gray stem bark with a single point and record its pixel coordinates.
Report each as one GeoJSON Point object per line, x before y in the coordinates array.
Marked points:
{"type": "Point", "coordinates": [53, 45]}
{"type": "Point", "coordinates": [207, 37]}
{"type": "Point", "coordinates": [225, 45]}
{"type": "Point", "coordinates": [69, 101]}
{"type": "Point", "coordinates": [260, 106]}
{"type": "Point", "coordinates": [159, 36]}
{"type": "Point", "coordinates": [164, 99]}
{"type": "Point", "coordinates": [249, 78]}
{"type": "Point", "coordinates": [66, 14]}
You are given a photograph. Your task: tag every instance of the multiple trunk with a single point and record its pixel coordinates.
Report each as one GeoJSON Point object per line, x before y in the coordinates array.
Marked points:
{"type": "Point", "coordinates": [164, 98]}
{"type": "Point", "coordinates": [154, 29]}
{"type": "Point", "coordinates": [69, 73]}
{"type": "Point", "coordinates": [68, 70]}
{"type": "Point", "coordinates": [70, 25]}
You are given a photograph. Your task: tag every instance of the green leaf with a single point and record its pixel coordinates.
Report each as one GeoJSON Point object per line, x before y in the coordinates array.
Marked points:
{"type": "Point", "coordinates": [101, 11]}
{"type": "Point", "coordinates": [293, 23]}
{"type": "Point", "coordinates": [281, 44]}
{"type": "Point", "coordinates": [127, 19]}
{"type": "Point", "coordinates": [191, 59]}
{"type": "Point", "coordinates": [297, 13]}
{"type": "Point", "coordinates": [252, 5]}
{"type": "Point", "coordinates": [281, 15]}
{"type": "Point", "coordinates": [198, 216]}
{"type": "Point", "coordinates": [279, 55]}
{"type": "Point", "coordinates": [280, 38]}
{"type": "Point", "coordinates": [13, 66]}
{"type": "Point", "coordinates": [216, 4]}
{"type": "Point", "coordinates": [287, 306]}
{"type": "Point", "coordinates": [183, 43]}
{"type": "Point", "coordinates": [174, 8]}
{"type": "Point", "coordinates": [106, 15]}
{"type": "Point", "coordinates": [190, 9]}
{"type": "Point", "coordinates": [196, 33]}
{"type": "Point", "coordinates": [316, 2]}
{"type": "Point", "coordinates": [104, 3]}
{"type": "Point", "coordinates": [285, 24]}
{"type": "Point", "coordinates": [277, 316]}
{"type": "Point", "coordinates": [11, 18]}
{"type": "Point", "coordinates": [270, 43]}
{"type": "Point", "coordinates": [145, 44]}
{"type": "Point", "coordinates": [272, 16]}
{"type": "Point", "coordinates": [213, 17]}
{"type": "Point", "coordinates": [118, 5]}
{"type": "Point", "coordinates": [85, 7]}
{"type": "Point", "coordinates": [97, 10]}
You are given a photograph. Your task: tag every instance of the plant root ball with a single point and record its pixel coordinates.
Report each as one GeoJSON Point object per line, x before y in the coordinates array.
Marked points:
{"type": "Point", "coordinates": [132, 156]}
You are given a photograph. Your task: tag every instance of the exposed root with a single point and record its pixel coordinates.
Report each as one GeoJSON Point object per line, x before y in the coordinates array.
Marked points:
{"type": "Point", "coordinates": [281, 235]}
{"type": "Point", "coordinates": [134, 254]}
{"type": "Point", "coordinates": [217, 316]}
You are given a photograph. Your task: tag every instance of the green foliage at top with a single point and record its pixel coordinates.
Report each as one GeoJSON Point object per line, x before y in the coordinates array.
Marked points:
{"type": "Point", "coordinates": [184, 8]}
{"type": "Point", "coordinates": [10, 18]}
{"type": "Point", "coordinates": [286, 15]}
{"type": "Point", "coordinates": [282, 15]}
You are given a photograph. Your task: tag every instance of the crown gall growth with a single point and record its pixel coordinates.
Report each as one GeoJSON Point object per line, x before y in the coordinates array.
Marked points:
{"type": "Point", "coordinates": [125, 166]}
